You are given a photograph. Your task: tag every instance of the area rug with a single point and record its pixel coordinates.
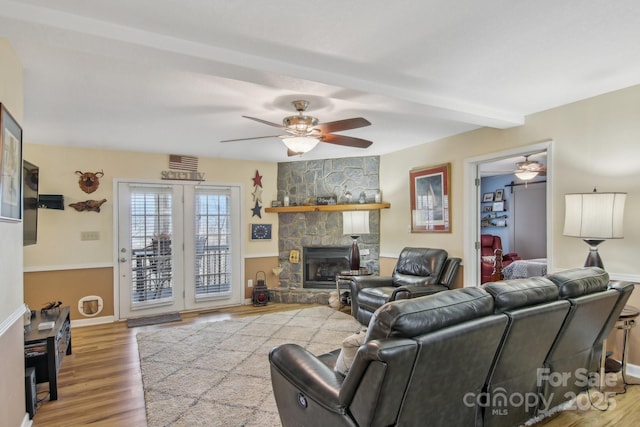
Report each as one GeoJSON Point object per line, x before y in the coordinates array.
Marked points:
{"type": "Point", "coordinates": [217, 373]}
{"type": "Point", "coordinates": [154, 320]}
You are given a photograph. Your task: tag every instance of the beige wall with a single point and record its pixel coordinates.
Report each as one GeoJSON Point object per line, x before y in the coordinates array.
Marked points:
{"type": "Point", "coordinates": [12, 402]}
{"type": "Point", "coordinates": [57, 176]}
{"type": "Point", "coordinates": [596, 143]}
{"type": "Point", "coordinates": [63, 267]}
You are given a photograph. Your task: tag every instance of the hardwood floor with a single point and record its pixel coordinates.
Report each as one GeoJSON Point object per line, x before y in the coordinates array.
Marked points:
{"type": "Point", "coordinates": [100, 383]}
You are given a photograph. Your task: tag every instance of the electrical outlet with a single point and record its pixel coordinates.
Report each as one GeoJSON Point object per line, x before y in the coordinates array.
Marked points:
{"type": "Point", "coordinates": [250, 283]}
{"type": "Point", "coordinates": [89, 235]}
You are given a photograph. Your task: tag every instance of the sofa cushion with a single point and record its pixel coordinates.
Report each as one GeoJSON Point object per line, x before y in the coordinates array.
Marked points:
{"type": "Point", "coordinates": [580, 281]}
{"type": "Point", "coordinates": [412, 317]}
{"type": "Point", "coordinates": [518, 293]}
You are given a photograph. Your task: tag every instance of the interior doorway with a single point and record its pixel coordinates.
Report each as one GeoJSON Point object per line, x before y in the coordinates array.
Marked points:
{"type": "Point", "coordinates": [517, 211]}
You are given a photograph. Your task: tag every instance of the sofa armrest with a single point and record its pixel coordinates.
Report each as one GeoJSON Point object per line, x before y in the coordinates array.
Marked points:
{"type": "Point", "coordinates": [308, 374]}
{"type": "Point", "coordinates": [407, 292]}
{"type": "Point", "coordinates": [360, 282]}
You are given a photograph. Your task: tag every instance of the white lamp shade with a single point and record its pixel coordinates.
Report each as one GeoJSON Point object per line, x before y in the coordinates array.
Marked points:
{"type": "Point", "coordinates": [355, 223]}
{"type": "Point", "coordinates": [301, 144]}
{"type": "Point", "coordinates": [594, 216]}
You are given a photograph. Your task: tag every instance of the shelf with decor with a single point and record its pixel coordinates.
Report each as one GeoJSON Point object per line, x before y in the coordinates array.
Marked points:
{"type": "Point", "coordinates": [325, 208]}
{"type": "Point", "coordinates": [493, 219]}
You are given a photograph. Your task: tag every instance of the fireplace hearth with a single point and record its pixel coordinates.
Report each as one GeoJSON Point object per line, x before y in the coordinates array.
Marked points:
{"type": "Point", "coordinates": [323, 264]}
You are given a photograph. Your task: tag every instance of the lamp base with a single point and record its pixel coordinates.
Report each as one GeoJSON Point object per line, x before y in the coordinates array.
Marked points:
{"type": "Point", "coordinates": [593, 259]}
{"type": "Point", "coordinates": [354, 255]}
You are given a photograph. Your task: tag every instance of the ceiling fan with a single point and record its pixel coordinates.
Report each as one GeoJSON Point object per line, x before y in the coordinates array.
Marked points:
{"type": "Point", "coordinates": [526, 170]}
{"type": "Point", "coordinates": [529, 169]}
{"type": "Point", "coordinates": [304, 132]}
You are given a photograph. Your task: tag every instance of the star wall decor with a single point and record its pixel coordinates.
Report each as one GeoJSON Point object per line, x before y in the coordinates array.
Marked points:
{"type": "Point", "coordinates": [256, 210]}
{"type": "Point", "coordinates": [257, 194]}
{"type": "Point", "coordinates": [257, 180]}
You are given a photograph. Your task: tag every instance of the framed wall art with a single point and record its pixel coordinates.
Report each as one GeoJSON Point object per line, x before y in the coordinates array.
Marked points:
{"type": "Point", "coordinates": [10, 167]}
{"type": "Point", "coordinates": [431, 199]}
{"type": "Point", "coordinates": [260, 231]}
{"type": "Point", "coordinates": [499, 195]}
{"type": "Point", "coordinates": [487, 197]}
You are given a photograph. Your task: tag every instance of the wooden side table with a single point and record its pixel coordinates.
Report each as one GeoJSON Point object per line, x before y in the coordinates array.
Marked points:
{"type": "Point", "coordinates": [345, 277]}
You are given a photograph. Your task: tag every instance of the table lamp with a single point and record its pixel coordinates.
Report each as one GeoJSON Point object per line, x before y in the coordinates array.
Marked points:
{"type": "Point", "coordinates": [594, 217]}
{"type": "Point", "coordinates": [355, 224]}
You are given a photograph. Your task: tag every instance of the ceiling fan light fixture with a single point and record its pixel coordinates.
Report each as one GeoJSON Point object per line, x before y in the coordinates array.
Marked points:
{"type": "Point", "coordinates": [526, 175]}
{"type": "Point", "coordinates": [300, 144]}
{"type": "Point", "coordinates": [301, 124]}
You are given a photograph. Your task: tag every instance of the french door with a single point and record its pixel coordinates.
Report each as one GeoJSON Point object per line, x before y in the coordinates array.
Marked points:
{"type": "Point", "coordinates": [178, 247]}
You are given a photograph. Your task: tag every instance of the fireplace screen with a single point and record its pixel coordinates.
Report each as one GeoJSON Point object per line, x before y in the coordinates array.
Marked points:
{"type": "Point", "coordinates": [323, 264]}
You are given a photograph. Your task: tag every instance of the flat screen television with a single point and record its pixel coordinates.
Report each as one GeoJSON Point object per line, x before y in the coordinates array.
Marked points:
{"type": "Point", "coordinates": [30, 175]}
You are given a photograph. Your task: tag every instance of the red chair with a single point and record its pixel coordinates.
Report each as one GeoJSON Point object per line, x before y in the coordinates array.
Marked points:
{"type": "Point", "coordinates": [488, 245]}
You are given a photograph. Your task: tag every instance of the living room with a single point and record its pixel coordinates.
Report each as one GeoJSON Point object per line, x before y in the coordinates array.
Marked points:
{"type": "Point", "coordinates": [594, 143]}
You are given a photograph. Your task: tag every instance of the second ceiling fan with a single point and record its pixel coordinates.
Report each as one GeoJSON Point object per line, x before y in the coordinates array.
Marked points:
{"type": "Point", "coordinates": [304, 132]}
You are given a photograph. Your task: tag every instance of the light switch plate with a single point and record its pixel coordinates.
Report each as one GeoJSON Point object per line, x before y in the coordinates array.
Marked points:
{"type": "Point", "coordinates": [89, 235]}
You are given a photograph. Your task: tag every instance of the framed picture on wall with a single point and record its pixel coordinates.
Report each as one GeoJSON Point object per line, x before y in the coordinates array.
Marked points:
{"type": "Point", "coordinates": [260, 231]}
{"type": "Point", "coordinates": [431, 199]}
{"type": "Point", "coordinates": [487, 197]}
{"type": "Point", "coordinates": [10, 167]}
{"type": "Point", "coordinates": [499, 195]}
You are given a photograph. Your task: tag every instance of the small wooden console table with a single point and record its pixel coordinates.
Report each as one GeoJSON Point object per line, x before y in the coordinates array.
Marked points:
{"type": "Point", "coordinates": [45, 349]}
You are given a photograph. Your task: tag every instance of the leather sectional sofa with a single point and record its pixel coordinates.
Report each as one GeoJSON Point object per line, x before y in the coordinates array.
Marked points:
{"type": "Point", "coordinates": [491, 356]}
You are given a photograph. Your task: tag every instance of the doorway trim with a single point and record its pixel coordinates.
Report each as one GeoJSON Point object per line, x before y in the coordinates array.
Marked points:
{"type": "Point", "coordinates": [471, 237]}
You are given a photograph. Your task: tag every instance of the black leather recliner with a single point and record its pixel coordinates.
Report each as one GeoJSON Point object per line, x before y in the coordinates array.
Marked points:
{"type": "Point", "coordinates": [576, 348]}
{"type": "Point", "coordinates": [418, 272]}
{"type": "Point", "coordinates": [416, 367]}
{"type": "Point", "coordinates": [534, 310]}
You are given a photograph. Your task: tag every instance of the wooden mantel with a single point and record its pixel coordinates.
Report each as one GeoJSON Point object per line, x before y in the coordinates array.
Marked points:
{"type": "Point", "coordinates": [320, 208]}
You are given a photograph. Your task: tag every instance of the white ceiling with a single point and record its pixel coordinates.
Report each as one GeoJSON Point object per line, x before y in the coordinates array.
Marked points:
{"type": "Point", "coordinates": [175, 76]}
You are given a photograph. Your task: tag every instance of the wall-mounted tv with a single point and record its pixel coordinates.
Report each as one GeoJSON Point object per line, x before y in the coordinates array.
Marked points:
{"type": "Point", "coordinates": [30, 175]}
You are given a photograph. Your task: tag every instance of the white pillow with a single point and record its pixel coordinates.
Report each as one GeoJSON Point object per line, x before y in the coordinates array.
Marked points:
{"type": "Point", "coordinates": [350, 346]}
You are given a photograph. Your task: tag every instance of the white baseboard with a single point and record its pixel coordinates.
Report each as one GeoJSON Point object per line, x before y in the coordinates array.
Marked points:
{"type": "Point", "coordinates": [26, 422]}
{"type": "Point", "coordinates": [92, 321]}
{"type": "Point", "coordinates": [633, 370]}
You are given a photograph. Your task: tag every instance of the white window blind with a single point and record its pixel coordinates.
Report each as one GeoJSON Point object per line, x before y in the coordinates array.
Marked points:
{"type": "Point", "coordinates": [151, 232]}
{"type": "Point", "coordinates": [213, 275]}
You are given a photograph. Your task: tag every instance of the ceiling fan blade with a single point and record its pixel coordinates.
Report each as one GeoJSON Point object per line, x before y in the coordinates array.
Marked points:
{"type": "Point", "coordinates": [255, 137]}
{"type": "Point", "coordinates": [340, 125]}
{"type": "Point", "coordinates": [345, 140]}
{"type": "Point", "coordinates": [265, 122]}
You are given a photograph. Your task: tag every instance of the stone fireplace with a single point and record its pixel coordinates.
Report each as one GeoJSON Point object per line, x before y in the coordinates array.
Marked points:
{"type": "Point", "coordinates": [306, 232]}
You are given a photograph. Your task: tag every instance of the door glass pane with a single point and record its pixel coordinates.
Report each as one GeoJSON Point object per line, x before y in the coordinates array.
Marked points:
{"type": "Point", "coordinates": [212, 242]}
{"type": "Point", "coordinates": [151, 261]}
